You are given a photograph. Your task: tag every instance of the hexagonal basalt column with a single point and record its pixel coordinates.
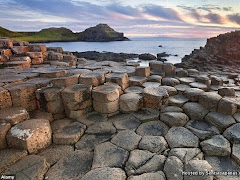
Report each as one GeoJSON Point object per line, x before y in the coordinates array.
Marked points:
{"type": "Point", "coordinates": [50, 100]}
{"type": "Point", "coordinates": [155, 97]}
{"type": "Point", "coordinates": [77, 100]}
{"type": "Point", "coordinates": [105, 99]}
{"type": "Point", "coordinates": [32, 135]}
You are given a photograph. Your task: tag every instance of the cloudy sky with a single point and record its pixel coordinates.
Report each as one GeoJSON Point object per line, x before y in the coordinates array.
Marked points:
{"type": "Point", "coordinates": [136, 18]}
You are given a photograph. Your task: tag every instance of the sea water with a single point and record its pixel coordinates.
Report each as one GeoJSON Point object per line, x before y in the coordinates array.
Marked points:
{"type": "Point", "coordinates": [173, 46]}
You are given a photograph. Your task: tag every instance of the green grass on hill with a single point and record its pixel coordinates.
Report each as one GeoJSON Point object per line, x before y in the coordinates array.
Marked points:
{"type": "Point", "coordinates": [7, 33]}
{"type": "Point", "coordinates": [62, 34]}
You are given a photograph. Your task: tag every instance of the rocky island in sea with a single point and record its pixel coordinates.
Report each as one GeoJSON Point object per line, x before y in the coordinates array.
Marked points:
{"type": "Point", "coordinates": [63, 117]}
{"type": "Point", "coordinates": [98, 33]}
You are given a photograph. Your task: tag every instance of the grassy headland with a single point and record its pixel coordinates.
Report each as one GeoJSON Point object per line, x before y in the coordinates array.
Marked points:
{"type": "Point", "coordinates": [101, 32]}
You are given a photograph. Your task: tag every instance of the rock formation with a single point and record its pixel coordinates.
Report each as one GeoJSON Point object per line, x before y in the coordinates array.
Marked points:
{"type": "Point", "coordinates": [63, 117]}
{"type": "Point", "coordinates": [220, 53]}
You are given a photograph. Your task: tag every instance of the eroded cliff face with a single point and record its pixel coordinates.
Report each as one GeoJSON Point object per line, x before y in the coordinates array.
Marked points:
{"type": "Point", "coordinates": [220, 52]}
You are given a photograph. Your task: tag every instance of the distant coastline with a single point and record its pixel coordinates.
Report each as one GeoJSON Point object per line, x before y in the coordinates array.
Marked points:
{"type": "Point", "coordinates": [98, 33]}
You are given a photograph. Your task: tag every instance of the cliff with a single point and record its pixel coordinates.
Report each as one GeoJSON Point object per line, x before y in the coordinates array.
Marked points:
{"type": "Point", "coordinates": [219, 52]}
{"type": "Point", "coordinates": [99, 33]}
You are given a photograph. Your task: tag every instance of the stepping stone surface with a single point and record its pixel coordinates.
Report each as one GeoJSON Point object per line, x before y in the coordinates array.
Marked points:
{"type": "Point", "coordinates": [178, 137]}
{"type": "Point", "coordinates": [152, 128]}
{"type": "Point", "coordinates": [126, 139]}
{"type": "Point", "coordinates": [9, 157]}
{"type": "Point", "coordinates": [216, 146]}
{"type": "Point", "coordinates": [30, 167]}
{"type": "Point", "coordinates": [103, 151]}
{"type": "Point", "coordinates": [32, 135]}
{"type": "Point", "coordinates": [105, 174]}
{"type": "Point", "coordinates": [73, 166]}
{"type": "Point", "coordinates": [14, 115]}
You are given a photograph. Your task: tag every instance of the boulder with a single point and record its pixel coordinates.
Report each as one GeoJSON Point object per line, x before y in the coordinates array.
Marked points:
{"type": "Point", "coordinates": [73, 166]}
{"type": "Point", "coordinates": [235, 153]}
{"type": "Point", "coordinates": [174, 118]}
{"type": "Point", "coordinates": [130, 102]}
{"type": "Point", "coordinates": [30, 167]}
{"type": "Point", "coordinates": [23, 95]}
{"type": "Point", "coordinates": [152, 128]}
{"type": "Point", "coordinates": [147, 114]}
{"type": "Point", "coordinates": [50, 100]}
{"type": "Point", "coordinates": [134, 89]}
{"type": "Point", "coordinates": [55, 152]}
{"type": "Point", "coordinates": [171, 90]}
{"type": "Point", "coordinates": [69, 134]}
{"type": "Point", "coordinates": [171, 109]}
{"type": "Point", "coordinates": [233, 133]}
{"type": "Point", "coordinates": [136, 159]}
{"type": "Point", "coordinates": [103, 151]}
{"type": "Point", "coordinates": [170, 81]}
{"type": "Point", "coordinates": [65, 81]}
{"type": "Point", "coordinates": [147, 56]}
{"type": "Point", "coordinates": [101, 128]}
{"type": "Point", "coordinates": [150, 176]}
{"type": "Point", "coordinates": [4, 127]}
{"type": "Point", "coordinates": [88, 141]}
{"type": "Point", "coordinates": [216, 146]}
{"type": "Point", "coordinates": [221, 121]}
{"type": "Point", "coordinates": [91, 118]}
{"type": "Point", "coordinates": [173, 168]}
{"type": "Point", "coordinates": [14, 115]}
{"type": "Point", "coordinates": [126, 139]}
{"type": "Point", "coordinates": [226, 91]}
{"type": "Point", "coordinates": [142, 71]}
{"type": "Point", "coordinates": [181, 137]}
{"type": "Point", "coordinates": [156, 65]}
{"type": "Point", "coordinates": [137, 80]}
{"type": "Point", "coordinates": [199, 167]}
{"type": "Point", "coordinates": [193, 94]}
{"type": "Point", "coordinates": [32, 135]}
{"type": "Point", "coordinates": [202, 129]}
{"type": "Point", "coordinates": [5, 98]}
{"type": "Point", "coordinates": [154, 144]}
{"type": "Point", "coordinates": [187, 80]}
{"type": "Point", "coordinates": [195, 111]}
{"type": "Point", "coordinates": [105, 94]}
{"type": "Point", "coordinates": [226, 106]}
{"type": "Point", "coordinates": [155, 97]}
{"type": "Point", "coordinates": [199, 86]}
{"type": "Point", "coordinates": [94, 79]}
{"type": "Point", "coordinates": [216, 81]}
{"type": "Point", "coordinates": [210, 100]}
{"type": "Point", "coordinates": [129, 122]}
{"type": "Point", "coordinates": [169, 69]}
{"type": "Point", "coordinates": [8, 157]}
{"type": "Point", "coordinates": [119, 78]}
{"type": "Point", "coordinates": [106, 108]}
{"type": "Point", "coordinates": [20, 50]}
{"type": "Point", "coordinates": [105, 174]}
{"type": "Point", "coordinates": [177, 100]}
{"type": "Point", "coordinates": [186, 154]}
{"type": "Point", "coordinates": [6, 43]}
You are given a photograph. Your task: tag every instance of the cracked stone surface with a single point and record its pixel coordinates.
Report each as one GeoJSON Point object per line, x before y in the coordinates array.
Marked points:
{"type": "Point", "coordinates": [30, 167]}
{"type": "Point", "coordinates": [103, 151]}
{"type": "Point", "coordinates": [153, 144]}
{"type": "Point", "coordinates": [73, 166]}
{"type": "Point", "coordinates": [89, 141]}
{"type": "Point", "coordinates": [153, 128]}
{"type": "Point", "coordinates": [181, 137]}
{"type": "Point", "coordinates": [126, 139]}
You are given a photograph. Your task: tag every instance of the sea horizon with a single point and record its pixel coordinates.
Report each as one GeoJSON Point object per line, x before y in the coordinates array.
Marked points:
{"type": "Point", "coordinates": [139, 45]}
